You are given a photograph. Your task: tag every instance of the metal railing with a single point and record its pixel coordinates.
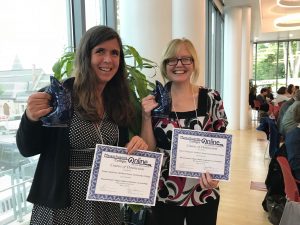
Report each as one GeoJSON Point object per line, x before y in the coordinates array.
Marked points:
{"type": "Point", "coordinates": [13, 204]}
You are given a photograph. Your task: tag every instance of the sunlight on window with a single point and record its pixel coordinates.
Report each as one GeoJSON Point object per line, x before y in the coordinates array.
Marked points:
{"type": "Point", "coordinates": [93, 9]}
{"type": "Point", "coordinates": [33, 36]}
{"type": "Point", "coordinates": [277, 64]}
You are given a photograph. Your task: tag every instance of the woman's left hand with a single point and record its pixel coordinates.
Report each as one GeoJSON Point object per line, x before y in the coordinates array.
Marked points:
{"type": "Point", "coordinates": [206, 181]}
{"type": "Point", "coordinates": [136, 143]}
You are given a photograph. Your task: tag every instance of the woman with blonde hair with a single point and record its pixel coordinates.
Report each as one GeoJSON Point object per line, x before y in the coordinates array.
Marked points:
{"type": "Point", "coordinates": [192, 107]}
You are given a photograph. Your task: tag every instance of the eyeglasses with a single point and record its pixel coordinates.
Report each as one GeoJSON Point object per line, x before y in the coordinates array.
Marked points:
{"type": "Point", "coordinates": [184, 61]}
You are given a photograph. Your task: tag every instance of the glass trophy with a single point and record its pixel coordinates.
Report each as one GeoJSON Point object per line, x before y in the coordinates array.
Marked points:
{"type": "Point", "coordinates": [162, 98]}
{"type": "Point", "coordinates": [61, 102]}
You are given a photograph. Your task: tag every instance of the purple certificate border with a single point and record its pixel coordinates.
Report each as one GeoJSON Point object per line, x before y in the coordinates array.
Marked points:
{"type": "Point", "coordinates": [92, 195]}
{"type": "Point", "coordinates": [177, 131]}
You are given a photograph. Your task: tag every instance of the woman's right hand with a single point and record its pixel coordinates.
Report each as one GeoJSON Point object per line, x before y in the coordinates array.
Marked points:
{"type": "Point", "coordinates": [148, 104]}
{"type": "Point", "coordinates": [38, 106]}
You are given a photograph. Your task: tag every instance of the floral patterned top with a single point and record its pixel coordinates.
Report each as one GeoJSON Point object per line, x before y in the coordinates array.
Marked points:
{"type": "Point", "coordinates": [181, 191]}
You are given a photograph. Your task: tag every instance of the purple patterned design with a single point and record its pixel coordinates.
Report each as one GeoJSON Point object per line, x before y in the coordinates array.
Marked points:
{"type": "Point", "coordinates": [92, 195]}
{"type": "Point", "coordinates": [183, 191]}
{"type": "Point", "coordinates": [61, 101]}
{"type": "Point", "coordinates": [228, 138]}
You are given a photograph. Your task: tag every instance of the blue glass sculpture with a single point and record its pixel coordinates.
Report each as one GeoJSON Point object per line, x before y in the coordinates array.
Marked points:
{"type": "Point", "coordinates": [162, 98]}
{"type": "Point", "coordinates": [61, 101]}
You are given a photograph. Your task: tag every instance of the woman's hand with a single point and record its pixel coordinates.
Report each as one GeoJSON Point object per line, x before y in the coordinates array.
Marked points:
{"type": "Point", "coordinates": [206, 182]}
{"type": "Point", "coordinates": [38, 106]}
{"type": "Point", "coordinates": [148, 104]}
{"type": "Point", "coordinates": [136, 143]}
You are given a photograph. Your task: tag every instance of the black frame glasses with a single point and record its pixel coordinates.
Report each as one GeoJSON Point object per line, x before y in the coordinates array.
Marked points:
{"type": "Point", "coordinates": [183, 60]}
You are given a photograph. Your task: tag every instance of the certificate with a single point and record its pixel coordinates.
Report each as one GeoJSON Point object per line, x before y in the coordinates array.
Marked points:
{"type": "Point", "coordinates": [194, 152]}
{"type": "Point", "coordinates": [119, 177]}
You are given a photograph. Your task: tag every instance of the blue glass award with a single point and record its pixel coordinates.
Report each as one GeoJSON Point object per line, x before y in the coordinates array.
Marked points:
{"type": "Point", "coordinates": [61, 101]}
{"type": "Point", "coordinates": [162, 98]}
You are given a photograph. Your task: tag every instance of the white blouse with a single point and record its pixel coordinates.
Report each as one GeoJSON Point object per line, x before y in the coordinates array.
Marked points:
{"type": "Point", "coordinates": [280, 98]}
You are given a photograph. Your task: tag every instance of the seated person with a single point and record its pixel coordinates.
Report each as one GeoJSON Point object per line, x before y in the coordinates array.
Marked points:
{"type": "Point", "coordinates": [270, 95]}
{"type": "Point", "coordinates": [264, 105]}
{"type": "Point", "coordinates": [252, 96]}
{"type": "Point", "coordinates": [290, 90]}
{"type": "Point", "coordinates": [282, 95]}
{"type": "Point", "coordinates": [286, 105]}
{"type": "Point", "coordinates": [292, 143]}
{"type": "Point", "coordinates": [288, 120]}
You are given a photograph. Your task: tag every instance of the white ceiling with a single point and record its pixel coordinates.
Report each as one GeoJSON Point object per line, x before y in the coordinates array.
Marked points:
{"type": "Point", "coordinates": [263, 14]}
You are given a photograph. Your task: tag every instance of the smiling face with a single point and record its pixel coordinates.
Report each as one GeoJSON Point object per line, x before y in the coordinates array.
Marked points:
{"type": "Point", "coordinates": [180, 72]}
{"type": "Point", "coordinates": [105, 60]}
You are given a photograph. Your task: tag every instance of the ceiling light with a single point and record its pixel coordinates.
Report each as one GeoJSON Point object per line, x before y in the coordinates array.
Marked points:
{"type": "Point", "coordinates": [288, 3]}
{"type": "Point", "coordinates": [291, 21]}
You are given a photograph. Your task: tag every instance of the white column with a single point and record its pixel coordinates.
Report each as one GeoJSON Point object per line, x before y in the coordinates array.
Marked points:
{"type": "Point", "coordinates": [232, 66]}
{"type": "Point", "coordinates": [188, 21]}
{"type": "Point", "coordinates": [251, 61]}
{"type": "Point", "coordinates": [245, 65]}
{"type": "Point", "coordinates": [147, 26]}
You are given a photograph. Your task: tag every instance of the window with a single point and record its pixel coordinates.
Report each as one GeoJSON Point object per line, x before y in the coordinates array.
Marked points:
{"type": "Point", "coordinates": [215, 37]}
{"type": "Point", "coordinates": [276, 63]}
{"type": "Point", "coordinates": [34, 34]}
{"type": "Point", "coordinates": [294, 62]}
{"type": "Point", "coordinates": [93, 15]}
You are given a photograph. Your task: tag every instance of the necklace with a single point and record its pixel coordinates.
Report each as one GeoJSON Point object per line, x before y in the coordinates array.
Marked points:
{"type": "Point", "coordinates": [98, 128]}
{"type": "Point", "coordinates": [178, 123]}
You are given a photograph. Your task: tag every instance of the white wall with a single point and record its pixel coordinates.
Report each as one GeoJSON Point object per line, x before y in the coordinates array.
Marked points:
{"type": "Point", "coordinates": [149, 25]}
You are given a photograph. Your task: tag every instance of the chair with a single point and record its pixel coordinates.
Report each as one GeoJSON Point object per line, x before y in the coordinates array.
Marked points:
{"type": "Point", "coordinates": [290, 184]}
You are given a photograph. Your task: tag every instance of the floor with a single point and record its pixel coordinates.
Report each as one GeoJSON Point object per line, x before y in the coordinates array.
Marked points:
{"type": "Point", "coordinates": [239, 204]}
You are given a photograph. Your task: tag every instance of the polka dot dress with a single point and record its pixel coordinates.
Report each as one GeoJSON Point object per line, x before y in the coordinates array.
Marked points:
{"type": "Point", "coordinates": [83, 136]}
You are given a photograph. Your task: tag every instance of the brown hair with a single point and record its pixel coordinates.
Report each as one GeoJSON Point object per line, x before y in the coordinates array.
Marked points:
{"type": "Point", "coordinates": [116, 95]}
{"type": "Point", "coordinates": [282, 90]}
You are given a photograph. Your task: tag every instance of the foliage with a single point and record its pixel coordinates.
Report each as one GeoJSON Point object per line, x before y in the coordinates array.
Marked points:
{"type": "Point", "coordinates": [63, 67]}
{"type": "Point", "coordinates": [273, 59]}
{"type": "Point", "coordinates": [266, 61]}
{"type": "Point", "coordinates": [139, 84]}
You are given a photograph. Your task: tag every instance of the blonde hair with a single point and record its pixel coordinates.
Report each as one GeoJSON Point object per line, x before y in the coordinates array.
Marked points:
{"type": "Point", "coordinates": [170, 52]}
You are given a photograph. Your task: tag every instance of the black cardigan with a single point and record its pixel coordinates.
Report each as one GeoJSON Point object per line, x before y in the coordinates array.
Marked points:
{"type": "Point", "coordinates": [50, 186]}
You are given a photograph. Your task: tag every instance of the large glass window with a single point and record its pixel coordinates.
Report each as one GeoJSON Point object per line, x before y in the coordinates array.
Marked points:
{"type": "Point", "coordinates": [266, 67]}
{"type": "Point", "coordinates": [34, 34]}
{"type": "Point", "coordinates": [93, 16]}
{"type": "Point", "coordinates": [276, 64]}
{"type": "Point", "coordinates": [294, 62]}
{"type": "Point", "coordinates": [280, 74]}
{"type": "Point", "coordinates": [215, 37]}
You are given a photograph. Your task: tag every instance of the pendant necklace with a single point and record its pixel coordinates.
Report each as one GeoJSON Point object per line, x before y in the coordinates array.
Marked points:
{"type": "Point", "coordinates": [98, 128]}
{"type": "Point", "coordinates": [178, 123]}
